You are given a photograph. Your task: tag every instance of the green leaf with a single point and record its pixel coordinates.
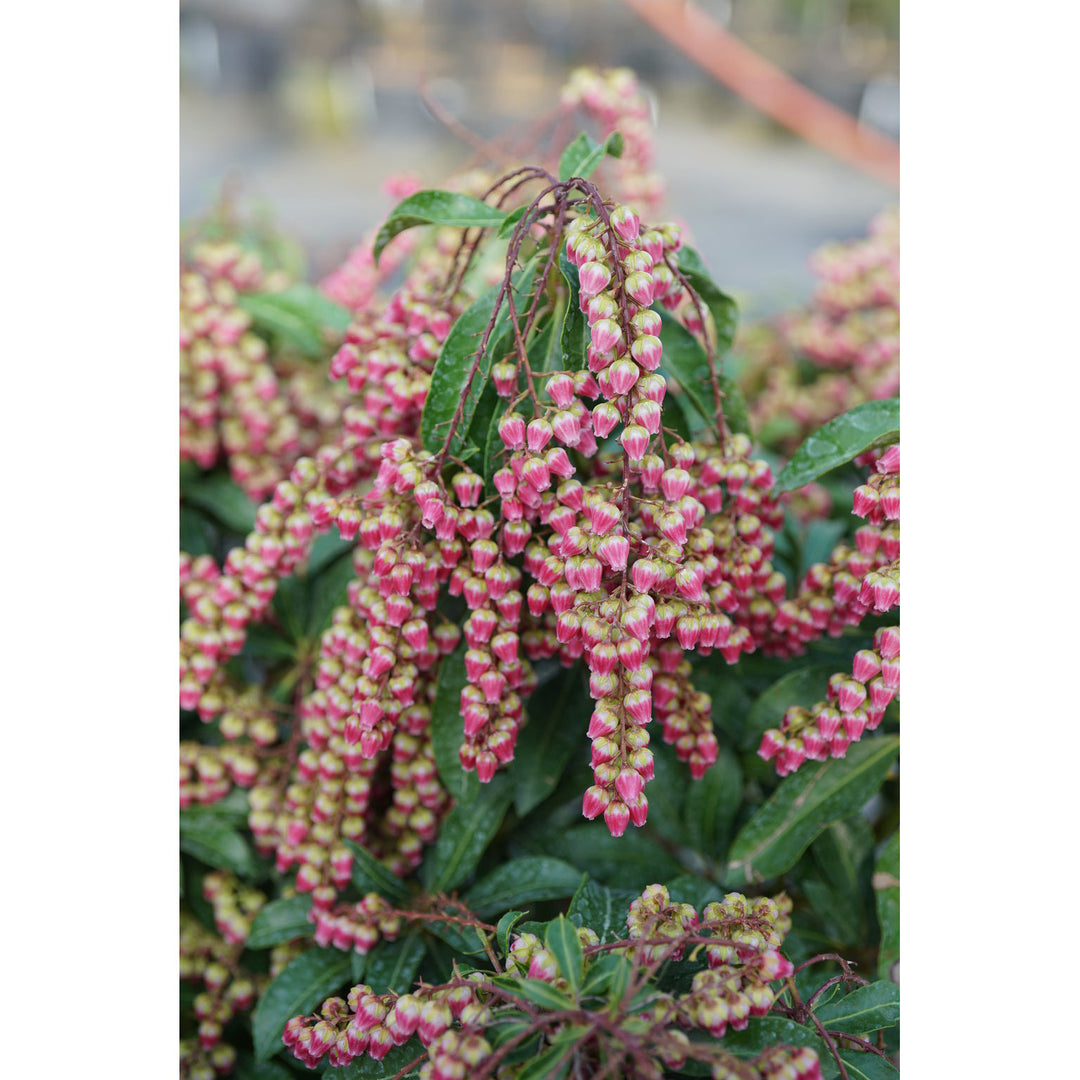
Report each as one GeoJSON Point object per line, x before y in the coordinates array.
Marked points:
{"type": "Point", "coordinates": [221, 498]}
{"type": "Point", "coordinates": [558, 718]}
{"type": "Point", "coordinates": [365, 1067]}
{"type": "Point", "coordinates": [327, 549]}
{"type": "Point", "coordinates": [466, 940]}
{"type": "Point", "coordinates": [280, 921]}
{"type": "Point", "coordinates": [563, 941]}
{"type": "Point", "coordinates": [297, 316]}
{"type": "Point", "coordinates": [802, 806]}
{"type": "Point", "coordinates": [196, 533]}
{"type": "Point", "coordinates": [695, 891]}
{"type": "Point", "coordinates": [545, 348]}
{"type": "Point", "coordinates": [609, 974]}
{"type": "Point", "coordinates": [262, 1070]}
{"type": "Point", "coordinates": [329, 590]}
{"type": "Point", "coordinates": [841, 854]}
{"type": "Point", "coordinates": [574, 339]}
{"type": "Point", "coordinates": [684, 359]}
{"type": "Point", "coordinates": [871, 424]}
{"type": "Point", "coordinates": [552, 1064]}
{"type": "Point", "coordinates": [510, 222]}
{"type": "Point", "coordinates": [711, 805]}
{"type": "Point", "coordinates": [602, 909]}
{"type": "Point", "coordinates": [886, 883]}
{"type": "Point", "coordinates": [370, 875]}
{"type": "Point", "coordinates": [804, 687]}
{"type": "Point", "coordinates": [450, 387]}
{"type": "Point", "coordinates": [216, 843]}
{"type": "Point", "coordinates": [534, 990]}
{"type": "Point", "coordinates": [634, 859]}
{"type": "Point", "coordinates": [520, 881]}
{"type": "Point", "coordinates": [436, 208]}
{"type": "Point", "coordinates": [724, 310]}
{"type": "Point", "coordinates": [583, 155]}
{"type": "Point", "coordinates": [862, 1066]}
{"type": "Point", "coordinates": [465, 835]}
{"type": "Point", "coordinates": [392, 965]}
{"type": "Point", "coordinates": [505, 926]}
{"type": "Point", "coordinates": [767, 1031]}
{"type": "Point", "coordinates": [306, 982]}
{"type": "Point", "coordinates": [447, 727]}
{"type": "Point", "coordinates": [868, 1008]}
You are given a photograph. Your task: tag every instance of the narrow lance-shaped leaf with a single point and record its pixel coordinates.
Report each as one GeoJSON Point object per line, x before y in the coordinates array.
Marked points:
{"type": "Point", "coordinates": [392, 965]}
{"type": "Point", "coordinates": [216, 843]}
{"type": "Point", "coordinates": [724, 310]}
{"type": "Point", "coordinates": [279, 921]}
{"type": "Point", "coordinates": [871, 424]}
{"type": "Point", "coordinates": [465, 835]}
{"type": "Point", "coordinates": [565, 946]}
{"type": "Point", "coordinates": [520, 881]}
{"type": "Point", "coordinates": [298, 316]}
{"type": "Point", "coordinates": [886, 883]}
{"type": "Point", "coordinates": [868, 1008]}
{"type": "Point", "coordinates": [584, 154]}
{"type": "Point", "coordinates": [802, 806]}
{"type": "Point", "coordinates": [452, 393]}
{"type": "Point", "coordinates": [309, 979]}
{"type": "Point", "coordinates": [436, 208]}
{"type": "Point", "coordinates": [369, 875]}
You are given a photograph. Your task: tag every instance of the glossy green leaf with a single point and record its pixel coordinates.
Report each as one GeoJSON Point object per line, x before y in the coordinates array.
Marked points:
{"type": "Point", "coordinates": [327, 549]}
{"type": "Point", "coordinates": [584, 154]}
{"type": "Point", "coordinates": [221, 498]}
{"type": "Point", "coordinates": [436, 208]}
{"type": "Point", "coordinates": [329, 590]}
{"type": "Point", "coordinates": [465, 835]}
{"type": "Point", "coordinates": [447, 727]}
{"type": "Point", "coordinates": [509, 222]}
{"type": "Point", "coordinates": [370, 875]}
{"type": "Point", "coordinates": [685, 360]}
{"type": "Point", "coordinates": [563, 942]}
{"type": "Point", "coordinates": [635, 859]}
{"type": "Point", "coordinates": [842, 853]}
{"type": "Point", "coordinates": [871, 424]}
{"type": "Point", "coordinates": [609, 976]}
{"type": "Point", "coordinates": [574, 338]}
{"type": "Point", "coordinates": [804, 687]}
{"type": "Point", "coordinates": [724, 310]}
{"type": "Point", "coordinates": [504, 928]}
{"type": "Point", "coordinates": [392, 965]}
{"type": "Point", "coordinates": [464, 940]}
{"type": "Point", "coordinates": [886, 883]}
{"type": "Point", "coordinates": [298, 316]}
{"type": "Point", "coordinates": [306, 982]}
{"type": "Point", "coordinates": [766, 1031]}
{"type": "Point", "coordinates": [280, 921]}
{"type": "Point", "coordinates": [552, 1064]}
{"type": "Point", "coordinates": [803, 805]}
{"type": "Point", "coordinates": [867, 1066]}
{"type": "Point", "coordinates": [366, 1067]}
{"type": "Point", "coordinates": [535, 990]}
{"type": "Point", "coordinates": [688, 889]}
{"type": "Point", "coordinates": [216, 843]}
{"type": "Point", "coordinates": [711, 805]}
{"type": "Point", "coordinates": [521, 881]}
{"type": "Point", "coordinates": [603, 909]}
{"type": "Point", "coordinates": [451, 388]}
{"type": "Point", "coordinates": [558, 717]}
{"type": "Point", "coordinates": [867, 1008]}
{"type": "Point", "coordinates": [196, 533]}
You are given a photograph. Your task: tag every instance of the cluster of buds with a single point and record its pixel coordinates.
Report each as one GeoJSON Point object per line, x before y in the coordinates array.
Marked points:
{"type": "Point", "coordinates": [261, 410]}
{"type": "Point", "coordinates": [373, 1024]}
{"type": "Point", "coordinates": [857, 581]}
{"type": "Point", "coordinates": [214, 962]}
{"type": "Point", "coordinates": [359, 927]}
{"type": "Point", "coordinates": [614, 99]}
{"type": "Point", "coordinates": [776, 1063]}
{"type": "Point", "coordinates": [741, 938]}
{"type": "Point", "coordinates": [223, 601]}
{"type": "Point", "coordinates": [851, 332]}
{"type": "Point", "coordinates": [854, 704]}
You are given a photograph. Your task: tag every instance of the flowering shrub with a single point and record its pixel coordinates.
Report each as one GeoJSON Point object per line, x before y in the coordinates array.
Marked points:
{"type": "Point", "coordinates": [522, 520]}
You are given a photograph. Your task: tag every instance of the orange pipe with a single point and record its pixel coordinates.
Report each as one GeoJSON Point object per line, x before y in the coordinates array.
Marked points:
{"type": "Point", "coordinates": [775, 93]}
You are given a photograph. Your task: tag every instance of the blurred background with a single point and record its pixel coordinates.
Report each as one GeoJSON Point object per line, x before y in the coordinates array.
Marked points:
{"type": "Point", "coordinates": [304, 107]}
